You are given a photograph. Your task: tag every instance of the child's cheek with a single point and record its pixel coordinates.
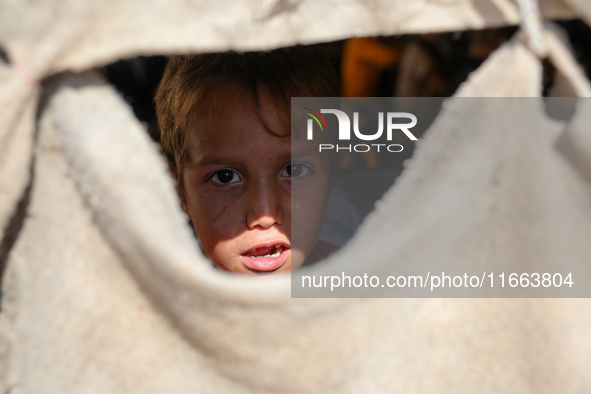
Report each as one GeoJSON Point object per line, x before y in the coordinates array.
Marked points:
{"type": "Point", "coordinates": [221, 204]}
{"type": "Point", "coordinates": [220, 220]}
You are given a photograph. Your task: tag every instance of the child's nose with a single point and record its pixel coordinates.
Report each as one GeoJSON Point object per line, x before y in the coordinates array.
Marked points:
{"type": "Point", "coordinates": [264, 206]}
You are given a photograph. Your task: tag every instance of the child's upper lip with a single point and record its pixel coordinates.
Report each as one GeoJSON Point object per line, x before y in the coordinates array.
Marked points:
{"type": "Point", "coordinates": [265, 245]}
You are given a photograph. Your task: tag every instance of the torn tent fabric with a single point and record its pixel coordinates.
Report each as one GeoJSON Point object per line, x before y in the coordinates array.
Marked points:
{"type": "Point", "coordinates": [105, 290]}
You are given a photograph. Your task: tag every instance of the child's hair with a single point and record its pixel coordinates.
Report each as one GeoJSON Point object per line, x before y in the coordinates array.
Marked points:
{"type": "Point", "coordinates": [190, 83]}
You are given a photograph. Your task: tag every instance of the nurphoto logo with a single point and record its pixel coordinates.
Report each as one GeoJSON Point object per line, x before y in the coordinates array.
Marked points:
{"type": "Point", "coordinates": [392, 120]}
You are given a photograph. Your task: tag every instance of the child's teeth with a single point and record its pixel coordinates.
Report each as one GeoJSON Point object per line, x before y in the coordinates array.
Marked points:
{"type": "Point", "coordinates": [267, 255]}
{"type": "Point", "coordinates": [278, 250]}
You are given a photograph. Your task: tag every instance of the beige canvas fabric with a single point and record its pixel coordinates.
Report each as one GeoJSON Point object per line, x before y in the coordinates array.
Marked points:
{"type": "Point", "coordinates": [57, 35]}
{"type": "Point", "coordinates": [44, 38]}
{"type": "Point", "coordinates": [16, 139]}
{"type": "Point", "coordinates": [41, 39]}
{"type": "Point", "coordinates": [105, 290]}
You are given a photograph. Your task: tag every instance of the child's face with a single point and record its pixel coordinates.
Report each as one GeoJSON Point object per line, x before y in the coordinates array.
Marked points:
{"type": "Point", "coordinates": [237, 186]}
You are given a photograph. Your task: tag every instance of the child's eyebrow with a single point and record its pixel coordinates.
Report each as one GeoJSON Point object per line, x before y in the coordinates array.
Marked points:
{"type": "Point", "coordinates": [208, 161]}
{"type": "Point", "coordinates": [213, 160]}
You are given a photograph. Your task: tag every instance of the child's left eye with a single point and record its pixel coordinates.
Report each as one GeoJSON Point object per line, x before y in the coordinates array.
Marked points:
{"type": "Point", "coordinates": [295, 170]}
{"type": "Point", "coordinates": [225, 177]}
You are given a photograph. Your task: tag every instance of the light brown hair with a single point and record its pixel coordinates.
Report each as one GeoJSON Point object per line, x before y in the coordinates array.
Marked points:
{"type": "Point", "coordinates": [190, 84]}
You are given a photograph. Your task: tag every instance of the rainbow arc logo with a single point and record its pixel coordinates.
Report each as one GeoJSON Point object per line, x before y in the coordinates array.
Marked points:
{"type": "Point", "coordinates": [315, 116]}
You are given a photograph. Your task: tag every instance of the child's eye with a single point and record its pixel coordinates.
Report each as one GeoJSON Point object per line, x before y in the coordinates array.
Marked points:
{"type": "Point", "coordinates": [295, 170]}
{"type": "Point", "coordinates": [225, 177]}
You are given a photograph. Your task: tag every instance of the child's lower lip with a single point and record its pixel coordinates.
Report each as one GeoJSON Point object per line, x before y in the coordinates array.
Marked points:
{"type": "Point", "coordinates": [266, 263]}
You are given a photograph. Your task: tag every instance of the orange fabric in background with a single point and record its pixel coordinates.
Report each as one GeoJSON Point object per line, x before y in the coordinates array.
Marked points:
{"type": "Point", "coordinates": [364, 59]}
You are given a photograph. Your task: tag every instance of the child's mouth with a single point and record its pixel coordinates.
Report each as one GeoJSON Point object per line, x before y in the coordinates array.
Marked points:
{"type": "Point", "coordinates": [266, 258]}
{"type": "Point", "coordinates": [271, 251]}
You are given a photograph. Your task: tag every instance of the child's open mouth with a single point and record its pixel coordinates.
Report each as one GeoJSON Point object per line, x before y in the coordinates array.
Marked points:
{"type": "Point", "coordinates": [266, 258]}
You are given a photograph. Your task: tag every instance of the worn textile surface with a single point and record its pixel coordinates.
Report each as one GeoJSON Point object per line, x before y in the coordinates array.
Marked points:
{"type": "Point", "coordinates": [43, 38]}
{"type": "Point", "coordinates": [76, 35]}
{"type": "Point", "coordinates": [105, 290]}
{"type": "Point", "coordinates": [16, 140]}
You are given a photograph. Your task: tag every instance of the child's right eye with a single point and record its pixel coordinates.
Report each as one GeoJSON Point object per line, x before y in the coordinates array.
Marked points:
{"type": "Point", "coordinates": [225, 177]}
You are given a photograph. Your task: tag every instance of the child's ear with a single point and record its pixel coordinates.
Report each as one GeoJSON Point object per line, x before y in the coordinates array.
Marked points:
{"type": "Point", "coordinates": [184, 204]}
{"type": "Point", "coordinates": [185, 208]}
